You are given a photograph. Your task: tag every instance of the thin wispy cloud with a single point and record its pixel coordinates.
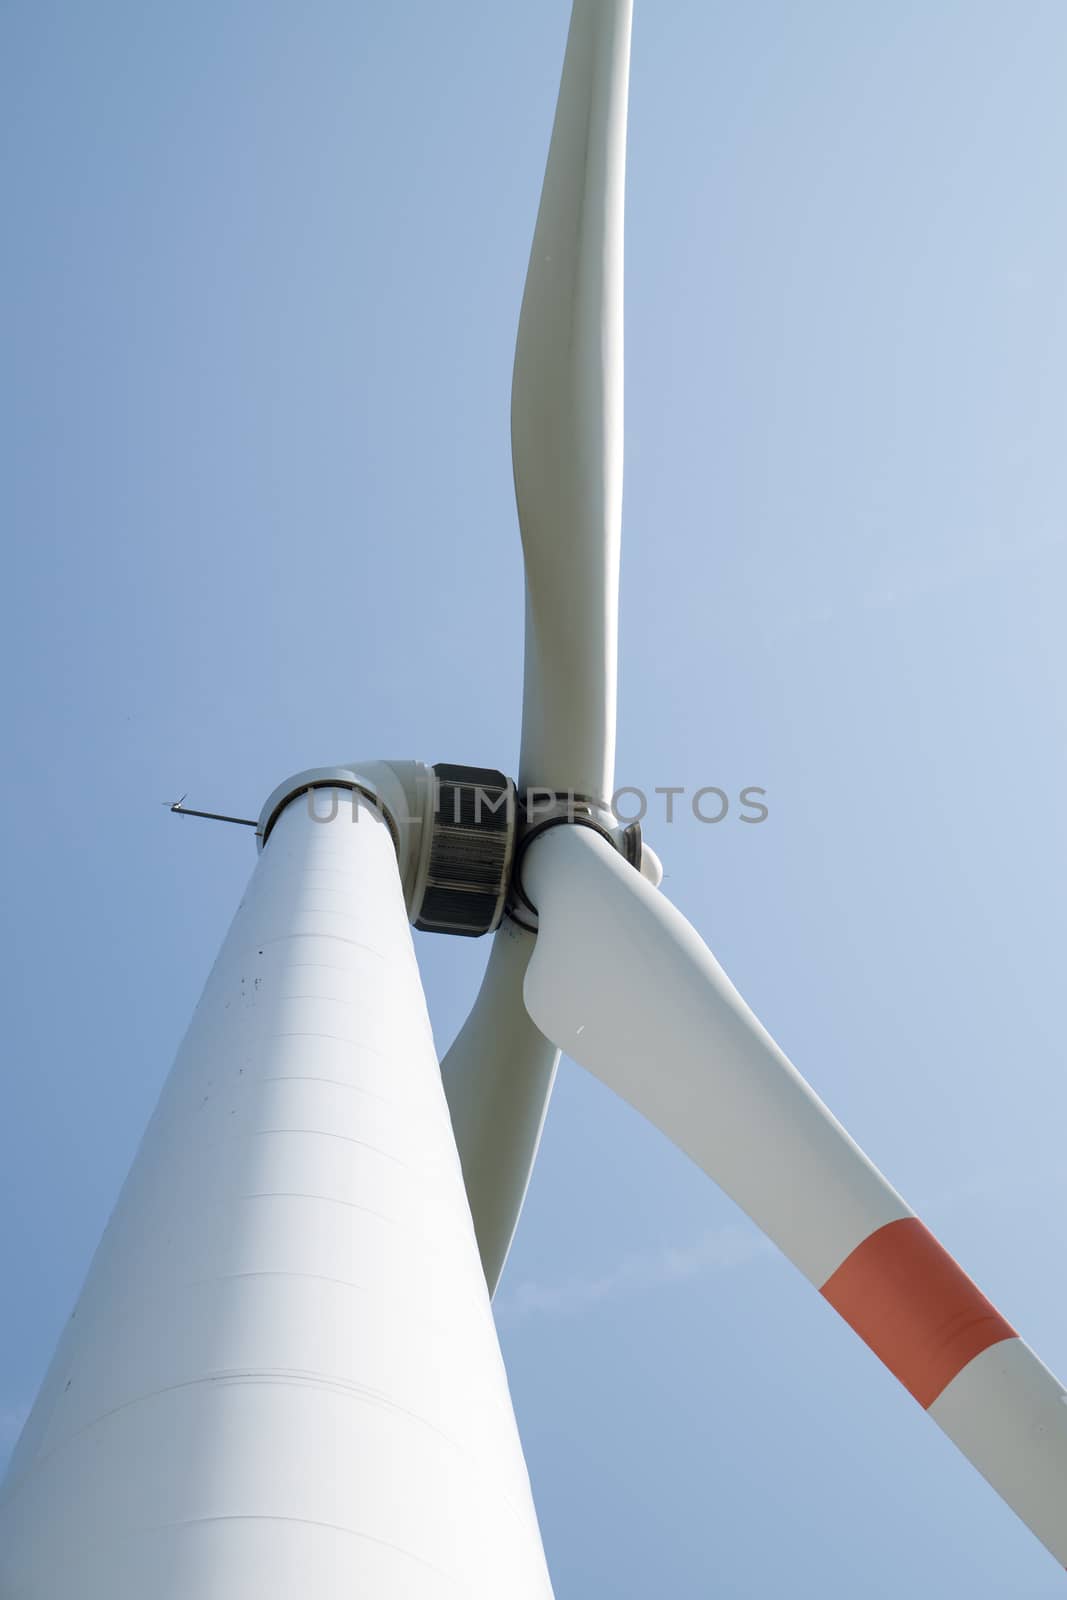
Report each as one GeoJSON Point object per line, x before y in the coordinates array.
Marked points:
{"type": "Point", "coordinates": [12, 1419]}
{"type": "Point", "coordinates": [721, 1250]}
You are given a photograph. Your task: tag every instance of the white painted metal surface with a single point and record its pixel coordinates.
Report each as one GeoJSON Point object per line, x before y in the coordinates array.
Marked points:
{"type": "Point", "coordinates": [282, 1377]}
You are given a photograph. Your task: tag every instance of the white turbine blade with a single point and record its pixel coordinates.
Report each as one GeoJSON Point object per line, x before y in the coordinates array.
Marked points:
{"type": "Point", "coordinates": [622, 982]}
{"type": "Point", "coordinates": [498, 1077]}
{"type": "Point", "coordinates": [566, 432]}
{"type": "Point", "coordinates": [566, 417]}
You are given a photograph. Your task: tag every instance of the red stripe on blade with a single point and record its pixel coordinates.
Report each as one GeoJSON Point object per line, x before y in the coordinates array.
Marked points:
{"type": "Point", "coordinates": [917, 1309]}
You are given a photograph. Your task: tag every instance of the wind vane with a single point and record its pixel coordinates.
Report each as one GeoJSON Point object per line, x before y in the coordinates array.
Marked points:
{"type": "Point", "coordinates": [180, 809]}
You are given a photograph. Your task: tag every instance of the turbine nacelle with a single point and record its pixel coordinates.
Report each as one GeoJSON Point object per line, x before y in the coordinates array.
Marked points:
{"type": "Point", "coordinates": [460, 834]}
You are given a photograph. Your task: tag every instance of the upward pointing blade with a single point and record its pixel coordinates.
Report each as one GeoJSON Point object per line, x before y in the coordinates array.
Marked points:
{"type": "Point", "coordinates": [566, 417]}
{"type": "Point", "coordinates": [566, 431]}
{"type": "Point", "coordinates": [622, 982]}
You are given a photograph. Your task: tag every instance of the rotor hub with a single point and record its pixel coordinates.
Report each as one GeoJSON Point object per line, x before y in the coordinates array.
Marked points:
{"type": "Point", "coordinates": [460, 834]}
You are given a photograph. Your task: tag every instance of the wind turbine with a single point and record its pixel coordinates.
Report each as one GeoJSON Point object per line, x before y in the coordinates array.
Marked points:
{"type": "Point", "coordinates": [282, 1375]}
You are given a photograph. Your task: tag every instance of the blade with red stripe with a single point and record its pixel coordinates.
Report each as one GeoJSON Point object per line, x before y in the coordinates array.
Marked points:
{"type": "Point", "coordinates": [626, 987]}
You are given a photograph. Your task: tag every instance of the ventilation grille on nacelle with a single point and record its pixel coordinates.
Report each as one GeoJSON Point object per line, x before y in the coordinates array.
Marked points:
{"type": "Point", "coordinates": [471, 842]}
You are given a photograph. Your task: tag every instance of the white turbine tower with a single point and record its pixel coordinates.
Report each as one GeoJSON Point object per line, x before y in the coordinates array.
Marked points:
{"type": "Point", "coordinates": [282, 1376]}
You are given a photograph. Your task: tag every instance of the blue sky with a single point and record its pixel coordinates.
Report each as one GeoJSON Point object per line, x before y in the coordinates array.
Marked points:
{"type": "Point", "coordinates": [260, 289]}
